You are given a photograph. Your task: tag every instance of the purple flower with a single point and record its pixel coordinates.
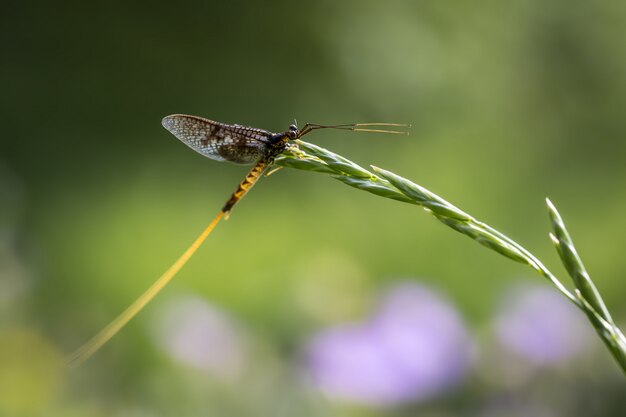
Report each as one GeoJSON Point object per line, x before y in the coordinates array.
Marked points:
{"type": "Point", "coordinates": [538, 324]}
{"type": "Point", "coordinates": [414, 347]}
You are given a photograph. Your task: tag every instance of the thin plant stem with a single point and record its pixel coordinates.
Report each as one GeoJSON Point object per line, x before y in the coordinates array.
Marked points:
{"type": "Point", "coordinates": [308, 157]}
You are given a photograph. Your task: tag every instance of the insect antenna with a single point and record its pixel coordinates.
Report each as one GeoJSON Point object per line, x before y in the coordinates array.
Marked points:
{"type": "Point", "coordinates": [359, 127]}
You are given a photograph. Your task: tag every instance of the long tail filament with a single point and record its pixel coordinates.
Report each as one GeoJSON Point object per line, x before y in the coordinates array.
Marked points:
{"type": "Point", "coordinates": [84, 352]}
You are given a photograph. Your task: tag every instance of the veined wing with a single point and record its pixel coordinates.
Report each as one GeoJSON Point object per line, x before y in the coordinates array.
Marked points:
{"type": "Point", "coordinates": [219, 141]}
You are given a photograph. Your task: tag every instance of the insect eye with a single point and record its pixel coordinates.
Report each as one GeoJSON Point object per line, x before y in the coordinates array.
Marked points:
{"type": "Point", "coordinates": [293, 131]}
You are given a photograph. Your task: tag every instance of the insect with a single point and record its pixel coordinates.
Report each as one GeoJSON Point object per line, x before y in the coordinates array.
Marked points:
{"type": "Point", "coordinates": [221, 142]}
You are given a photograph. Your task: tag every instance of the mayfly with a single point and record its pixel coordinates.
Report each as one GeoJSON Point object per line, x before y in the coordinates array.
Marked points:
{"type": "Point", "coordinates": [221, 142]}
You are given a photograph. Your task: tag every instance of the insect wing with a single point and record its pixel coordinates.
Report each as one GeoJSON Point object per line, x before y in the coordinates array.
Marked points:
{"type": "Point", "coordinates": [218, 141]}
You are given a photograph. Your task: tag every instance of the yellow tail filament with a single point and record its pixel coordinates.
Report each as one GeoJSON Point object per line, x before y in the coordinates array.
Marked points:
{"type": "Point", "coordinates": [88, 349]}
{"type": "Point", "coordinates": [96, 342]}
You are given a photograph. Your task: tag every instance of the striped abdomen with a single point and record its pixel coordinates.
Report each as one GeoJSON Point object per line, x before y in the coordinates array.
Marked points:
{"type": "Point", "coordinates": [245, 185]}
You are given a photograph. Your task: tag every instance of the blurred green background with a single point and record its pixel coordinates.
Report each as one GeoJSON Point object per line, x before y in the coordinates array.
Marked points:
{"type": "Point", "coordinates": [510, 102]}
